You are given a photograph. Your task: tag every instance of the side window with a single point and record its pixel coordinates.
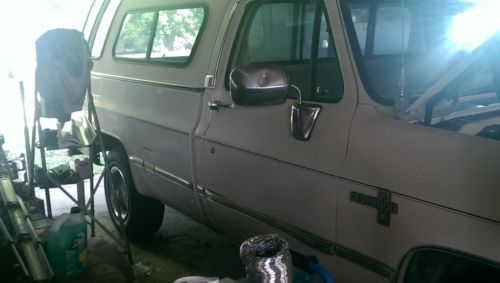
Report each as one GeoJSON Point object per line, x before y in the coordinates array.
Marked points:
{"type": "Point", "coordinates": [160, 36]}
{"type": "Point", "coordinates": [176, 33]}
{"type": "Point", "coordinates": [102, 31]}
{"type": "Point", "coordinates": [134, 36]}
{"type": "Point", "coordinates": [296, 35]}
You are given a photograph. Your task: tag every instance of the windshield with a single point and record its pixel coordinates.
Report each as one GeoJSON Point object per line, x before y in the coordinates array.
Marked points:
{"type": "Point", "coordinates": [405, 47]}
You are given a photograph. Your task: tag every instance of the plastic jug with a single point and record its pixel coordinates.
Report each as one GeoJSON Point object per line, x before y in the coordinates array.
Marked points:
{"type": "Point", "coordinates": [67, 245]}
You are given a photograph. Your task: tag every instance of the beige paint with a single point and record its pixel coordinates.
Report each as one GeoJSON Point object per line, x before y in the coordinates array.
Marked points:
{"type": "Point", "coordinates": [445, 183]}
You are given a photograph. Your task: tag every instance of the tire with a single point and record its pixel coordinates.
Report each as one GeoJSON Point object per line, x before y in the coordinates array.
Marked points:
{"type": "Point", "coordinates": [142, 216]}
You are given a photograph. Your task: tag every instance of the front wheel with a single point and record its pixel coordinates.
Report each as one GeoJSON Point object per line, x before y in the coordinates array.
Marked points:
{"type": "Point", "coordinates": [141, 216]}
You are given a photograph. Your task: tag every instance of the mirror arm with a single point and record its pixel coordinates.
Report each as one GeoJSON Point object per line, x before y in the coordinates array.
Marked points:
{"type": "Point", "coordinates": [299, 94]}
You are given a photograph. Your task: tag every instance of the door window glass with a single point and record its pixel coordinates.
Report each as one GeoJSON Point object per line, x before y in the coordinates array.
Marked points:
{"type": "Point", "coordinates": [274, 44]}
{"type": "Point", "coordinates": [296, 35]}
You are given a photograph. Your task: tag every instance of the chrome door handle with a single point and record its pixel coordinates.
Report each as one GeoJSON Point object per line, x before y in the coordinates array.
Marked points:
{"type": "Point", "coordinates": [215, 105]}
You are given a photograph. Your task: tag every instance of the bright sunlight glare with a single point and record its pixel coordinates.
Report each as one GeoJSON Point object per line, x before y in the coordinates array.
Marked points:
{"type": "Point", "coordinates": [475, 26]}
{"type": "Point", "coordinates": [21, 23]}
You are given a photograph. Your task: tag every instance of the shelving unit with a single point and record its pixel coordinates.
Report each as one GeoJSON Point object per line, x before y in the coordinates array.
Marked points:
{"type": "Point", "coordinates": [62, 85]}
{"type": "Point", "coordinates": [85, 169]}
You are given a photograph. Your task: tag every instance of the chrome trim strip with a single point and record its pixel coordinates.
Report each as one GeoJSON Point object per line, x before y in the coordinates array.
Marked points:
{"type": "Point", "coordinates": [317, 242]}
{"type": "Point", "coordinates": [200, 189]}
{"type": "Point", "coordinates": [157, 171]}
{"type": "Point", "coordinates": [323, 245]}
{"type": "Point", "coordinates": [136, 161]}
{"type": "Point", "coordinates": [171, 177]}
{"type": "Point", "coordinates": [147, 82]}
{"type": "Point", "coordinates": [149, 167]}
{"type": "Point", "coordinates": [367, 262]}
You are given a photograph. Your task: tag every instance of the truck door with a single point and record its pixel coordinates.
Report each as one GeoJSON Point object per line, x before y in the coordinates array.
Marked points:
{"type": "Point", "coordinates": [255, 176]}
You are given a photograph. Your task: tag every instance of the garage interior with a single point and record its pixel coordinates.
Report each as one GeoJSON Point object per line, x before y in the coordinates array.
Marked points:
{"type": "Point", "coordinates": [211, 109]}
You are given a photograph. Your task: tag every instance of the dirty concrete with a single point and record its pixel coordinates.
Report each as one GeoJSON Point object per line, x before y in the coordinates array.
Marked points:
{"type": "Point", "coordinates": [181, 247]}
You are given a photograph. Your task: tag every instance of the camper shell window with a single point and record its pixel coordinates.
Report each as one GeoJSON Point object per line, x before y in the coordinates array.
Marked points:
{"type": "Point", "coordinates": [160, 36]}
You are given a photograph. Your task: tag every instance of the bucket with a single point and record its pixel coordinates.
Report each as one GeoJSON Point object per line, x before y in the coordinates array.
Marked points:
{"type": "Point", "coordinates": [67, 245]}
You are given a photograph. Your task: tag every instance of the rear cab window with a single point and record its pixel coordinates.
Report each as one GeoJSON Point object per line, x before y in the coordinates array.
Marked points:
{"type": "Point", "coordinates": [161, 35]}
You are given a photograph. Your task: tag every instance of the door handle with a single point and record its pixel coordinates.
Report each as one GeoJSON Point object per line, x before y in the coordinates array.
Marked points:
{"type": "Point", "coordinates": [215, 105]}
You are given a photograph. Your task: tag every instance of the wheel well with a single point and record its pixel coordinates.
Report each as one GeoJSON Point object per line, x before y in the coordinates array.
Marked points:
{"type": "Point", "coordinates": [436, 264]}
{"type": "Point", "coordinates": [144, 214]}
{"type": "Point", "coordinates": [109, 143]}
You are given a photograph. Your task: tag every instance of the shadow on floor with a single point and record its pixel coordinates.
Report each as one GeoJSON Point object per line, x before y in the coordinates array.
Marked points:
{"type": "Point", "coordinates": [183, 247]}
{"type": "Point", "coordinates": [180, 248]}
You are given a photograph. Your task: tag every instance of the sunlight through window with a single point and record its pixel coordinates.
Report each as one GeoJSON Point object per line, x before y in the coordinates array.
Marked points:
{"type": "Point", "coordinates": [474, 27]}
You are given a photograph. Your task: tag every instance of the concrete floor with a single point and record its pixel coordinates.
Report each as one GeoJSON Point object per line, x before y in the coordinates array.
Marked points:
{"type": "Point", "coordinates": [181, 247]}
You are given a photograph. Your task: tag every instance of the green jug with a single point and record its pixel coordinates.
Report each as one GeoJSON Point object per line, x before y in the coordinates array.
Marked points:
{"type": "Point", "coordinates": [67, 245]}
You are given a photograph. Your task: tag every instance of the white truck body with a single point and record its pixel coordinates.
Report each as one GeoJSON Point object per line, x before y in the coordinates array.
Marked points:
{"type": "Point", "coordinates": [375, 196]}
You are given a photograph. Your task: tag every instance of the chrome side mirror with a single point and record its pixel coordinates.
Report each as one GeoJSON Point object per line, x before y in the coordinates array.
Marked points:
{"type": "Point", "coordinates": [303, 117]}
{"type": "Point", "coordinates": [258, 85]}
{"type": "Point", "coordinates": [264, 84]}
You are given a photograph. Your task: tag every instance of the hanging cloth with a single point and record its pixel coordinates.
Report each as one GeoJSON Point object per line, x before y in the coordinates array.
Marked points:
{"type": "Point", "coordinates": [62, 73]}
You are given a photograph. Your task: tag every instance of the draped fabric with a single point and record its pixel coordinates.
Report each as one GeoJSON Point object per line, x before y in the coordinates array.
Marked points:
{"type": "Point", "coordinates": [63, 72]}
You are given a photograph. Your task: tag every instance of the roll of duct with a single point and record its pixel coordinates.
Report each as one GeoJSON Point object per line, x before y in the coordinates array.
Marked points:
{"type": "Point", "coordinates": [267, 259]}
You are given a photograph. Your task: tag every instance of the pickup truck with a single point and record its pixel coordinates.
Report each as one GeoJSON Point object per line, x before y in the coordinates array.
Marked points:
{"type": "Point", "coordinates": [364, 132]}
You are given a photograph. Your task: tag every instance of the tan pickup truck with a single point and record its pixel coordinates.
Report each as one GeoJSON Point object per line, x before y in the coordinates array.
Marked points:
{"type": "Point", "coordinates": [364, 132]}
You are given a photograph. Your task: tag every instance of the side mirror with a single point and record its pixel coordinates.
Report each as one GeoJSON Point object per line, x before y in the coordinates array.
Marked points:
{"type": "Point", "coordinates": [258, 85]}
{"type": "Point", "coordinates": [303, 117]}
